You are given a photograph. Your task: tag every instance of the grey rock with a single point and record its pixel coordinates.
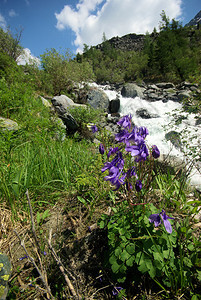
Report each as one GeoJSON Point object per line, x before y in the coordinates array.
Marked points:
{"type": "Point", "coordinates": [198, 121]}
{"type": "Point", "coordinates": [165, 85]}
{"type": "Point", "coordinates": [98, 99]}
{"type": "Point", "coordinates": [174, 138]}
{"type": "Point", "coordinates": [114, 105]}
{"type": "Point", "coordinates": [45, 102]}
{"type": "Point", "coordinates": [62, 103]}
{"type": "Point", "coordinates": [69, 122]}
{"type": "Point", "coordinates": [7, 124]}
{"type": "Point", "coordinates": [183, 95]}
{"type": "Point", "coordinates": [144, 114]}
{"type": "Point", "coordinates": [132, 90]}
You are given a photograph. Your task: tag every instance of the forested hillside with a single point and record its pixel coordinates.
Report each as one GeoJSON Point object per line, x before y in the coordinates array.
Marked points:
{"type": "Point", "coordinates": [172, 54]}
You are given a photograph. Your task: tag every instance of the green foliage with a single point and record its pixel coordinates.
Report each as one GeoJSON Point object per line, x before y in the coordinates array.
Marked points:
{"type": "Point", "coordinates": [10, 44]}
{"type": "Point", "coordinates": [134, 244]}
{"type": "Point", "coordinates": [86, 114]}
{"type": "Point", "coordinates": [63, 71]}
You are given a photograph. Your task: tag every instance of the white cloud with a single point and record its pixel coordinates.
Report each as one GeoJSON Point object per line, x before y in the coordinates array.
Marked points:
{"type": "Point", "coordinates": [12, 13]}
{"type": "Point", "coordinates": [3, 23]}
{"type": "Point", "coordinates": [27, 58]}
{"type": "Point", "coordinates": [90, 18]}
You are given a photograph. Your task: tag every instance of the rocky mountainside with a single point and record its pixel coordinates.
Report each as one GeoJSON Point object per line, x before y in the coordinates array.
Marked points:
{"type": "Point", "coordinates": [196, 21]}
{"type": "Point", "coordinates": [127, 42]}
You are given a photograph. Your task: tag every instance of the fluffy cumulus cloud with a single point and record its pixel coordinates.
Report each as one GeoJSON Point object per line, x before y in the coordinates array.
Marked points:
{"type": "Point", "coordinates": [91, 18]}
{"type": "Point", "coordinates": [27, 58]}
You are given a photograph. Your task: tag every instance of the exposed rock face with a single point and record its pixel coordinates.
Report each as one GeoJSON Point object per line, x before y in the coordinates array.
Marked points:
{"type": "Point", "coordinates": [195, 21]}
{"type": "Point", "coordinates": [98, 99]}
{"type": "Point", "coordinates": [134, 42]}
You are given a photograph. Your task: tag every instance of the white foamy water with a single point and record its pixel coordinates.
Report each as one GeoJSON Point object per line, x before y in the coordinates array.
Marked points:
{"type": "Point", "coordinates": [159, 126]}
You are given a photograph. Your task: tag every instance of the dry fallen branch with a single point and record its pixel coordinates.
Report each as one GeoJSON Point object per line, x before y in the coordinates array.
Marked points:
{"type": "Point", "coordinates": [61, 267]}
{"type": "Point", "coordinates": [48, 291]}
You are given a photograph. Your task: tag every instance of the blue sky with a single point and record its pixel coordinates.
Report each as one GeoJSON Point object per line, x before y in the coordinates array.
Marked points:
{"type": "Point", "coordinates": [63, 24]}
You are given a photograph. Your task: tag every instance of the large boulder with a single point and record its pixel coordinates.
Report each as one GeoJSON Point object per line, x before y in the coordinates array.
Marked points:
{"type": "Point", "coordinates": [7, 124]}
{"type": "Point", "coordinates": [97, 99]}
{"type": "Point", "coordinates": [114, 105]}
{"type": "Point", "coordinates": [62, 105]}
{"type": "Point", "coordinates": [132, 90]}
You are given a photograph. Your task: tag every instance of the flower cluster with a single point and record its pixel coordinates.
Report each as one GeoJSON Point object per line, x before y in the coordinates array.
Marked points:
{"type": "Point", "coordinates": [131, 141]}
{"type": "Point", "coordinates": [158, 218]}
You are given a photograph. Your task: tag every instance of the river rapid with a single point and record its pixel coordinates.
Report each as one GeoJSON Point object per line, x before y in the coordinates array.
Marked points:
{"type": "Point", "coordinates": [167, 113]}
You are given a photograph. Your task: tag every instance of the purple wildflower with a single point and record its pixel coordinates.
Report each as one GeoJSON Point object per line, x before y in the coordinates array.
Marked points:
{"type": "Point", "coordinates": [113, 175]}
{"type": "Point", "coordinates": [21, 258]}
{"type": "Point", "coordinates": [125, 121]}
{"type": "Point", "coordinates": [143, 131]}
{"type": "Point", "coordinates": [140, 151]}
{"type": "Point", "coordinates": [155, 151]}
{"type": "Point", "coordinates": [116, 290]}
{"type": "Point", "coordinates": [122, 136]}
{"type": "Point", "coordinates": [101, 149]}
{"type": "Point", "coordinates": [167, 224]}
{"type": "Point", "coordinates": [134, 150]}
{"type": "Point", "coordinates": [131, 172]}
{"type": "Point", "coordinates": [138, 185]}
{"type": "Point", "coordinates": [156, 219]}
{"type": "Point", "coordinates": [112, 151]}
{"type": "Point", "coordinates": [107, 166]}
{"type": "Point", "coordinates": [94, 128]}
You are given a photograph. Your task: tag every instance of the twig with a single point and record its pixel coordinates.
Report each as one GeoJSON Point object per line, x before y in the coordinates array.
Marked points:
{"type": "Point", "coordinates": [77, 296]}
{"type": "Point", "coordinates": [32, 221]}
{"type": "Point", "coordinates": [38, 250]}
{"type": "Point", "coordinates": [103, 288]}
{"type": "Point", "coordinates": [48, 291]}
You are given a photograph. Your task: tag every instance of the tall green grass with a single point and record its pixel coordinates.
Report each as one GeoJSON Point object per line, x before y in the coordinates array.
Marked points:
{"type": "Point", "coordinates": [41, 164]}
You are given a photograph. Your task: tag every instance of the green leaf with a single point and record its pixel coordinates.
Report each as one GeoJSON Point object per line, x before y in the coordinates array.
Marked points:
{"type": "Point", "coordinates": [125, 255]}
{"type": "Point", "coordinates": [130, 261]}
{"type": "Point", "coordinates": [157, 256]}
{"type": "Point", "coordinates": [152, 272]}
{"type": "Point", "coordinates": [118, 252]}
{"type": "Point", "coordinates": [102, 224]}
{"type": "Point", "coordinates": [115, 267]}
{"type": "Point", "coordinates": [187, 262]}
{"type": "Point", "coordinates": [130, 248]}
{"type": "Point", "coordinates": [143, 268]}
{"type": "Point", "coordinates": [45, 214]}
{"type": "Point", "coordinates": [199, 275]}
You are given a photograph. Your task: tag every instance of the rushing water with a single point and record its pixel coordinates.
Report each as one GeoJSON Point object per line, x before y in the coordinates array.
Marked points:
{"type": "Point", "coordinates": [162, 124]}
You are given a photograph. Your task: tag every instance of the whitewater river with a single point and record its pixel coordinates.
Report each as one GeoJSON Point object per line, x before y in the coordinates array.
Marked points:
{"type": "Point", "coordinates": [159, 126]}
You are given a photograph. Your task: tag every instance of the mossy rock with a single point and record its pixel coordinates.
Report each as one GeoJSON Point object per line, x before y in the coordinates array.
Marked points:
{"type": "Point", "coordinates": [7, 124]}
{"type": "Point", "coordinates": [5, 272]}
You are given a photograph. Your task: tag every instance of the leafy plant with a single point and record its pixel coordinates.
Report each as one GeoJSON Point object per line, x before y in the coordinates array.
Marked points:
{"type": "Point", "coordinates": [158, 251]}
